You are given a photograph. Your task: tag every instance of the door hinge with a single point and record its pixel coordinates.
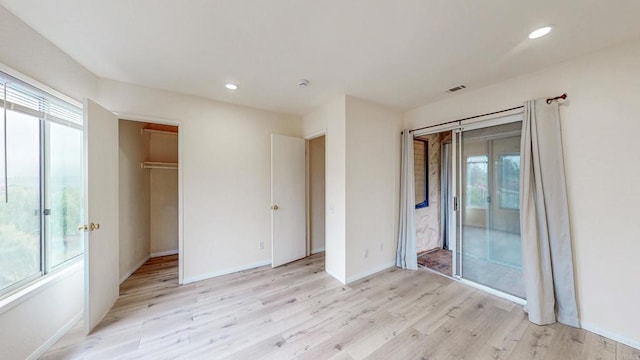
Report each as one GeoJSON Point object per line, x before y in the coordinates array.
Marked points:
{"type": "Point", "coordinates": [455, 203]}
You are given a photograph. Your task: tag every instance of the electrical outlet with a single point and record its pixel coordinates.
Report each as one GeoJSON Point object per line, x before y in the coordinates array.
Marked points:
{"type": "Point", "coordinates": [366, 253]}
{"type": "Point", "coordinates": [262, 245]}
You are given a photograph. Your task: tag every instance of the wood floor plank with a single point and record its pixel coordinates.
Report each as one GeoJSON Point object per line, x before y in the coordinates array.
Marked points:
{"type": "Point", "coordinates": [624, 352]}
{"type": "Point", "coordinates": [298, 311]}
{"type": "Point", "coordinates": [598, 347]}
{"type": "Point", "coordinates": [534, 343]}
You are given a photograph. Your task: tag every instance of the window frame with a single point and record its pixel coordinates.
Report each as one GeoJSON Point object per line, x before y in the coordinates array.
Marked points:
{"type": "Point", "coordinates": [48, 96]}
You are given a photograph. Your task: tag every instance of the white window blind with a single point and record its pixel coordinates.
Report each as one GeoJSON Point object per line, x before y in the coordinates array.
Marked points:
{"type": "Point", "coordinates": [18, 96]}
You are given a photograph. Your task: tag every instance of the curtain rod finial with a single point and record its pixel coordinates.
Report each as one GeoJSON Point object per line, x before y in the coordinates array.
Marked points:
{"type": "Point", "coordinates": [561, 97]}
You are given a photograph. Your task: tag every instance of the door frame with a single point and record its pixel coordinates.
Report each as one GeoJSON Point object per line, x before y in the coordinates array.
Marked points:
{"type": "Point", "coordinates": [307, 200]}
{"type": "Point", "coordinates": [179, 124]}
{"type": "Point", "coordinates": [458, 130]}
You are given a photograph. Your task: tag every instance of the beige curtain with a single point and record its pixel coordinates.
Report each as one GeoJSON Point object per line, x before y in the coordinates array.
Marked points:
{"type": "Point", "coordinates": [406, 255]}
{"type": "Point", "coordinates": [547, 257]}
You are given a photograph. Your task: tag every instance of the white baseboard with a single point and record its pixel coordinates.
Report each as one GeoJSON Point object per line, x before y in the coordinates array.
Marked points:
{"type": "Point", "coordinates": [133, 269]}
{"type": "Point", "coordinates": [339, 278]}
{"type": "Point", "coordinates": [57, 336]}
{"type": "Point", "coordinates": [371, 271]}
{"type": "Point", "coordinates": [318, 250]}
{"type": "Point", "coordinates": [189, 280]}
{"type": "Point", "coordinates": [608, 334]}
{"type": "Point", "coordinates": [164, 253]}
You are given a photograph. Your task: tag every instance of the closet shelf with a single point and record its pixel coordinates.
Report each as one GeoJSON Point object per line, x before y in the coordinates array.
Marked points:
{"type": "Point", "coordinates": [154, 131]}
{"type": "Point", "coordinates": [159, 165]}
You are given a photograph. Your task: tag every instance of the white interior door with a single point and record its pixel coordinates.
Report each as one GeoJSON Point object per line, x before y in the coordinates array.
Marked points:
{"type": "Point", "coordinates": [101, 240]}
{"type": "Point", "coordinates": [288, 234]}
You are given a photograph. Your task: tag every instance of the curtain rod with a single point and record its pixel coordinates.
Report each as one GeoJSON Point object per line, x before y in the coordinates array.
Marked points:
{"type": "Point", "coordinates": [549, 101]}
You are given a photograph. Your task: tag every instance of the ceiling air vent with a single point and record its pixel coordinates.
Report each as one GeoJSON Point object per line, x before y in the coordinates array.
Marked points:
{"type": "Point", "coordinates": [456, 88]}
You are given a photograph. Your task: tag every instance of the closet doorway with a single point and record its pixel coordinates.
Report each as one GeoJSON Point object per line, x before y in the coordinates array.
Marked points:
{"type": "Point", "coordinates": [316, 209]}
{"type": "Point", "coordinates": [472, 231]}
{"type": "Point", "coordinates": [149, 226]}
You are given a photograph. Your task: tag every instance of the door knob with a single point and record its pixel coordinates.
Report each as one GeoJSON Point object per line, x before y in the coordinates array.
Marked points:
{"type": "Point", "coordinates": [274, 207]}
{"type": "Point", "coordinates": [93, 226]}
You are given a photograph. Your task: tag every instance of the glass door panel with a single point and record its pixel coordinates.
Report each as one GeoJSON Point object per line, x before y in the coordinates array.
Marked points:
{"type": "Point", "coordinates": [490, 245]}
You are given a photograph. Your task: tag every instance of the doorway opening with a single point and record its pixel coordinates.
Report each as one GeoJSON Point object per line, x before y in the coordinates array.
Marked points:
{"type": "Point", "coordinates": [432, 171]}
{"type": "Point", "coordinates": [316, 195]}
{"type": "Point", "coordinates": [297, 197]}
{"type": "Point", "coordinates": [468, 204]}
{"type": "Point", "coordinates": [148, 191]}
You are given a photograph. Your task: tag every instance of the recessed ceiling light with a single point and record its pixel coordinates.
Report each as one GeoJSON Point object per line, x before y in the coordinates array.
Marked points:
{"type": "Point", "coordinates": [540, 32]}
{"type": "Point", "coordinates": [231, 86]}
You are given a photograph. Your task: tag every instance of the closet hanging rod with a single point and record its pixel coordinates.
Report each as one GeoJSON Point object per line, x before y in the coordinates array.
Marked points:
{"type": "Point", "coordinates": [459, 121]}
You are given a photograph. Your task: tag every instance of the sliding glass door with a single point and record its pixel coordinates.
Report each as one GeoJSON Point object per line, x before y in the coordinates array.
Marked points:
{"type": "Point", "coordinates": [488, 250]}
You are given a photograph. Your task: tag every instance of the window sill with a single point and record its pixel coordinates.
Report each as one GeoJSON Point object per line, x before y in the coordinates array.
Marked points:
{"type": "Point", "coordinates": [37, 286]}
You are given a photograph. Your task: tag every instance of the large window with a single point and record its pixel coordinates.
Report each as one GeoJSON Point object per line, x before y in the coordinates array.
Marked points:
{"type": "Point", "coordinates": [41, 187]}
{"type": "Point", "coordinates": [509, 184]}
{"type": "Point", "coordinates": [477, 181]}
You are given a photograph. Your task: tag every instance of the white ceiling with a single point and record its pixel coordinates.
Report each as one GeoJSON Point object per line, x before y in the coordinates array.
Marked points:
{"type": "Point", "coordinates": [401, 53]}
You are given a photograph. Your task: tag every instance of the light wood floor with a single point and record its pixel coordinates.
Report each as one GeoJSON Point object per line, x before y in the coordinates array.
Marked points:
{"type": "Point", "coordinates": [299, 311]}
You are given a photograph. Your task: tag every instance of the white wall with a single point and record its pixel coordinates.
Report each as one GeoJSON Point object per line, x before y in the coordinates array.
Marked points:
{"type": "Point", "coordinates": [362, 185]}
{"type": "Point", "coordinates": [600, 137]}
{"type": "Point", "coordinates": [26, 326]}
{"type": "Point", "coordinates": [163, 195]}
{"type": "Point", "coordinates": [331, 118]}
{"type": "Point", "coordinates": [34, 322]}
{"type": "Point", "coordinates": [226, 174]}
{"type": "Point", "coordinates": [372, 191]}
{"type": "Point", "coordinates": [317, 193]}
{"type": "Point", "coordinates": [134, 197]}
{"type": "Point", "coordinates": [24, 50]}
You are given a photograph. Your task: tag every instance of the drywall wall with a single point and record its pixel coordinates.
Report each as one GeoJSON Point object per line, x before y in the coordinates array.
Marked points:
{"type": "Point", "coordinates": [331, 118]}
{"type": "Point", "coordinates": [603, 108]}
{"type": "Point", "coordinates": [317, 193]}
{"type": "Point", "coordinates": [24, 50]}
{"type": "Point", "coordinates": [428, 218]}
{"type": "Point", "coordinates": [362, 184]}
{"type": "Point", "coordinates": [372, 191]}
{"type": "Point", "coordinates": [34, 322]}
{"type": "Point", "coordinates": [134, 197]}
{"type": "Point", "coordinates": [163, 195]}
{"type": "Point", "coordinates": [27, 324]}
{"type": "Point", "coordinates": [225, 160]}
